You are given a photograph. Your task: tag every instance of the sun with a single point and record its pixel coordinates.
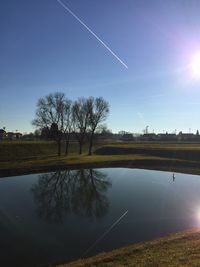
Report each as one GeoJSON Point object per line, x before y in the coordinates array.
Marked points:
{"type": "Point", "coordinates": [195, 65]}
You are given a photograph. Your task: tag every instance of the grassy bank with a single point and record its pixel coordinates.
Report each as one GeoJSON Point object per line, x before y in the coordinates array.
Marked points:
{"type": "Point", "coordinates": [184, 151]}
{"type": "Point", "coordinates": [32, 157]}
{"type": "Point", "coordinates": [181, 249]}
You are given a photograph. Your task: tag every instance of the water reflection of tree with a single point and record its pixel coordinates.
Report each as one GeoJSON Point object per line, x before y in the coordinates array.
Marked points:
{"type": "Point", "coordinates": [71, 191]}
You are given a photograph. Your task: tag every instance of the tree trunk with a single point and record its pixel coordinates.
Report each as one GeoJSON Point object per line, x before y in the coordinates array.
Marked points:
{"type": "Point", "coordinates": [90, 144]}
{"type": "Point", "coordinates": [66, 145]}
{"type": "Point", "coordinates": [59, 147]}
{"type": "Point", "coordinates": [80, 147]}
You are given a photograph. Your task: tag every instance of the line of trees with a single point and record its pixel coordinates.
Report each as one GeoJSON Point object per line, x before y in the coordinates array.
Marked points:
{"type": "Point", "coordinates": [57, 117]}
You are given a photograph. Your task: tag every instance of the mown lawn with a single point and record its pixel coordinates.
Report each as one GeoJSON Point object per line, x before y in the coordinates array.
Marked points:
{"type": "Point", "coordinates": [16, 150]}
{"type": "Point", "coordinates": [180, 249]}
{"type": "Point", "coordinates": [22, 157]}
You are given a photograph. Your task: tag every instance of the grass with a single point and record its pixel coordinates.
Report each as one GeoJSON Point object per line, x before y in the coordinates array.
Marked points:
{"type": "Point", "coordinates": [23, 157]}
{"type": "Point", "coordinates": [180, 249]}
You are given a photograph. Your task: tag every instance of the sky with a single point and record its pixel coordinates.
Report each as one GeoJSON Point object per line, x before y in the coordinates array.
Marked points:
{"type": "Point", "coordinates": [44, 49]}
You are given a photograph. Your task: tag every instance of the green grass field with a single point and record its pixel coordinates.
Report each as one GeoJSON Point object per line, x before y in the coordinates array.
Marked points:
{"type": "Point", "coordinates": [22, 157]}
{"type": "Point", "coordinates": [16, 150]}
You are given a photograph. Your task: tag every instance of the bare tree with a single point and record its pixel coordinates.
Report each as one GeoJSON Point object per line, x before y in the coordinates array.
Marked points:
{"type": "Point", "coordinates": [49, 114]}
{"type": "Point", "coordinates": [57, 116]}
{"type": "Point", "coordinates": [99, 110]}
{"type": "Point", "coordinates": [81, 112]}
{"type": "Point", "coordinates": [67, 119]}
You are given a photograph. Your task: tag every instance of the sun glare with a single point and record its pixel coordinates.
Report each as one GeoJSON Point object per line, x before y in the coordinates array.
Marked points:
{"type": "Point", "coordinates": [195, 65]}
{"type": "Point", "coordinates": [197, 216]}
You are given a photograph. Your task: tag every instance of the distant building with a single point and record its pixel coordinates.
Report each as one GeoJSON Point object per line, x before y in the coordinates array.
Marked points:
{"type": "Point", "coordinates": [167, 137]}
{"type": "Point", "coordinates": [127, 137]}
{"type": "Point", "coordinates": [149, 137]}
{"type": "Point", "coordinates": [2, 134]}
{"type": "Point", "coordinates": [18, 135]}
{"type": "Point", "coordinates": [13, 136]}
{"type": "Point", "coordinates": [10, 135]}
{"type": "Point", "coordinates": [186, 136]}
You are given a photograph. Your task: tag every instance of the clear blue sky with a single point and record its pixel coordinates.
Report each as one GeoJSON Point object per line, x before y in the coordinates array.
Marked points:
{"type": "Point", "coordinates": [43, 49]}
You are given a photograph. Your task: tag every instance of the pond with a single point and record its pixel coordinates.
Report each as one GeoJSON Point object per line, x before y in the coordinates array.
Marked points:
{"type": "Point", "coordinates": [65, 215]}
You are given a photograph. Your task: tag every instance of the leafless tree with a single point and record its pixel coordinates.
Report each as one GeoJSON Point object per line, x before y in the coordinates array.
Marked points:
{"type": "Point", "coordinates": [67, 121]}
{"type": "Point", "coordinates": [59, 116]}
{"type": "Point", "coordinates": [81, 112]}
{"type": "Point", "coordinates": [50, 113]}
{"type": "Point", "coordinates": [98, 112]}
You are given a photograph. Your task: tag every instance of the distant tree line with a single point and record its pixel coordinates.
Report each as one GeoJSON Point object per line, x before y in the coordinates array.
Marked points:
{"type": "Point", "coordinates": [58, 117]}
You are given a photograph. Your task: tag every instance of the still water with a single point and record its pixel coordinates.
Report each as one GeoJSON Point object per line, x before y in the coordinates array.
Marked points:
{"type": "Point", "coordinates": [66, 215]}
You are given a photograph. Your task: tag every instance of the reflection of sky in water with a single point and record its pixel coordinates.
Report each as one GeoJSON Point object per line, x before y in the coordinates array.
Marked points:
{"type": "Point", "coordinates": [89, 202]}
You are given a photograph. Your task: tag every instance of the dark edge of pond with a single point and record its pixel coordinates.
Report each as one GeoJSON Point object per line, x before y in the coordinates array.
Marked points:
{"type": "Point", "coordinates": [171, 165]}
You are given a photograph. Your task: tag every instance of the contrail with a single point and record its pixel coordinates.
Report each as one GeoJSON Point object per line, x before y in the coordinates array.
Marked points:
{"type": "Point", "coordinates": [79, 20]}
{"type": "Point", "coordinates": [105, 233]}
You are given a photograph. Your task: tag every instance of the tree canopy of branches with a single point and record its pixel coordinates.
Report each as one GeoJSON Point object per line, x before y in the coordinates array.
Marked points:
{"type": "Point", "coordinates": [81, 113]}
{"type": "Point", "coordinates": [67, 120]}
{"type": "Point", "coordinates": [52, 113]}
{"type": "Point", "coordinates": [99, 109]}
{"type": "Point", "coordinates": [56, 117]}
{"type": "Point", "coordinates": [88, 114]}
